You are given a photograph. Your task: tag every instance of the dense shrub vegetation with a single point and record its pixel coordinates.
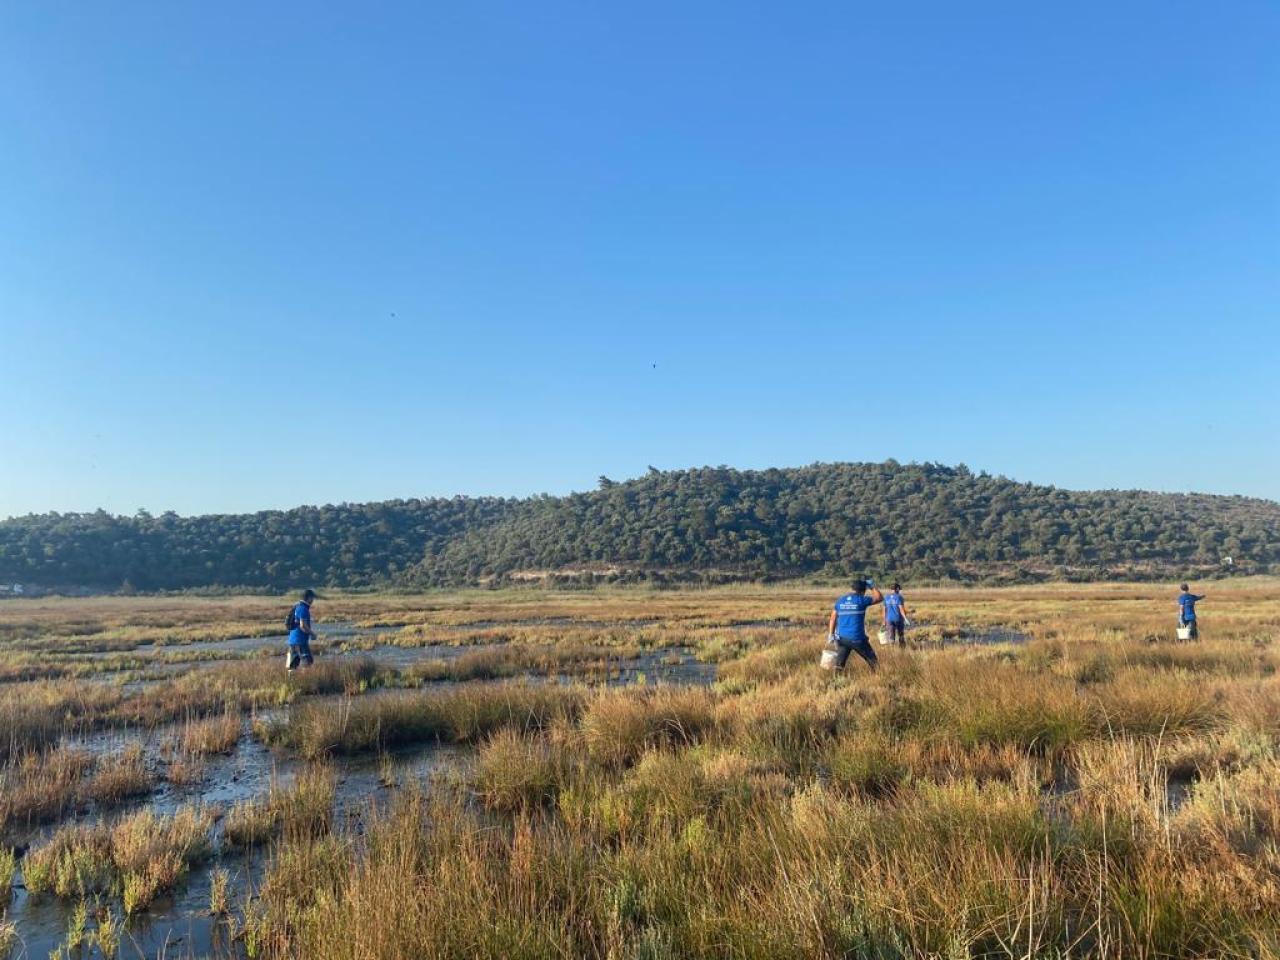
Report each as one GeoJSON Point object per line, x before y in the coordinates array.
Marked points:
{"type": "Point", "coordinates": [715, 523]}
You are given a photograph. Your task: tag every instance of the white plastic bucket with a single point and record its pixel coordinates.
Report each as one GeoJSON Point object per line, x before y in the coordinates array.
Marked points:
{"type": "Point", "coordinates": [1184, 633]}
{"type": "Point", "coordinates": [829, 657]}
{"type": "Point", "coordinates": [883, 636]}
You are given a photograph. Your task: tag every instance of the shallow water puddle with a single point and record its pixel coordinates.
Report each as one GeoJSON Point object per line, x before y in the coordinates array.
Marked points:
{"type": "Point", "coordinates": [181, 924]}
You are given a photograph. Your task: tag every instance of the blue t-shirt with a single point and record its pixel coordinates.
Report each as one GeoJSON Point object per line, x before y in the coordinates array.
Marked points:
{"type": "Point", "coordinates": [893, 607]}
{"type": "Point", "coordinates": [851, 616]}
{"type": "Point", "coordinates": [301, 613]}
{"type": "Point", "coordinates": [1187, 601]}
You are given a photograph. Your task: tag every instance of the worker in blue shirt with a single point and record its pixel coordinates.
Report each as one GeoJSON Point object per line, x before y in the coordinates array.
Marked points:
{"type": "Point", "coordinates": [1187, 610]}
{"type": "Point", "coordinates": [847, 627]}
{"type": "Point", "coordinates": [895, 616]}
{"type": "Point", "coordinates": [301, 633]}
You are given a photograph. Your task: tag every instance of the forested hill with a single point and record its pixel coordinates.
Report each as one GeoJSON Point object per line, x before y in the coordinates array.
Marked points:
{"type": "Point", "coordinates": [714, 523]}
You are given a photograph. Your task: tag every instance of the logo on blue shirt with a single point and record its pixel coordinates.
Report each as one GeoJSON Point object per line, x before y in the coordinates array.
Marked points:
{"type": "Point", "coordinates": [851, 616]}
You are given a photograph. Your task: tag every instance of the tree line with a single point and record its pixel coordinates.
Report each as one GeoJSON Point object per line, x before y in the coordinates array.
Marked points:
{"type": "Point", "coordinates": [916, 520]}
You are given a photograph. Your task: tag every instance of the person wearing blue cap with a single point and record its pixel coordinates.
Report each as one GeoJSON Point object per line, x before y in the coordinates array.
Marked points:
{"type": "Point", "coordinates": [847, 628]}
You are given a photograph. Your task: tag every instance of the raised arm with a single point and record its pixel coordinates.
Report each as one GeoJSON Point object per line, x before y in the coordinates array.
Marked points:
{"type": "Point", "coordinates": [876, 596]}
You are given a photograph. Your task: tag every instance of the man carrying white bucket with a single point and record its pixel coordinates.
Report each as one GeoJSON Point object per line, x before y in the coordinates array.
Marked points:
{"type": "Point", "coordinates": [1187, 629]}
{"type": "Point", "coordinates": [847, 629]}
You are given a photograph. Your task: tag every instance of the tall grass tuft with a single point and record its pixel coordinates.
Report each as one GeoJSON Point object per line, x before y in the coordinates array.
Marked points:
{"type": "Point", "coordinates": [514, 771]}
{"type": "Point", "coordinates": [153, 853]}
{"type": "Point", "coordinates": [302, 808]}
{"type": "Point", "coordinates": [462, 715]}
{"type": "Point", "coordinates": [618, 727]}
{"type": "Point", "coordinates": [8, 863]}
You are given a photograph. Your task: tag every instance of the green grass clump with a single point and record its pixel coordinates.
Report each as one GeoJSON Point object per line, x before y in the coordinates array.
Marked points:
{"type": "Point", "coordinates": [141, 856]}
{"type": "Point", "coordinates": [8, 863]}
{"type": "Point", "coordinates": [871, 765]}
{"type": "Point", "coordinates": [75, 863]}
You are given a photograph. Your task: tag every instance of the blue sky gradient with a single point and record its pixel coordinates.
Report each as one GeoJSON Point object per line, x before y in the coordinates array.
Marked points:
{"type": "Point", "coordinates": [257, 255]}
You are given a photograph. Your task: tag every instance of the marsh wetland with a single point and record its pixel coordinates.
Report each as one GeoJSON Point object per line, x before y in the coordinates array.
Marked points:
{"type": "Point", "coordinates": [636, 773]}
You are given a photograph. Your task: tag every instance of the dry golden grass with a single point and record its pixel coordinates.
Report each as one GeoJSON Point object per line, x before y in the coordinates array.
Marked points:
{"type": "Point", "coordinates": [119, 778]}
{"type": "Point", "coordinates": [185, 771]}
{"type": "Point", "coordinates": [39, 788]}
{"type": "Point", "coordinates": [214, 735]}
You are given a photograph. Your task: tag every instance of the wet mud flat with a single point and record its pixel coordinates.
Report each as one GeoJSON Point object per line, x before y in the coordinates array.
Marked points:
{"type": "Point", "coordinates": [181, 923]}
{"type": "Point", "coordinates": [678, 664]}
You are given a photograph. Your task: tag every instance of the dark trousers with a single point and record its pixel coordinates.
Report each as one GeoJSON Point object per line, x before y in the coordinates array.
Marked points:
{"type": "Point", "coordinates": [896, 630]}
{"type": "Point", "coordinates": [861, 647]}
{"type": "Point", "coordinates": [299, 652]}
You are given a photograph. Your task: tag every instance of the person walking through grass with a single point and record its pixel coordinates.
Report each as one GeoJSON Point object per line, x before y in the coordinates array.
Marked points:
{"type": "Point", "coordinates": [301, 633]}
{"type": "Point", "coordinates": [847, 627]}
{"type": "Point", "coordinates": [895, 616]}
{"type": "Point", "coordinates": [1187, 610]}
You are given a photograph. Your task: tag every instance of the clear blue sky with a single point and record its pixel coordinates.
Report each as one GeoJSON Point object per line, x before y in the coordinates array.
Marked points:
{"type": "Point", "coordinates": [258, 254]}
